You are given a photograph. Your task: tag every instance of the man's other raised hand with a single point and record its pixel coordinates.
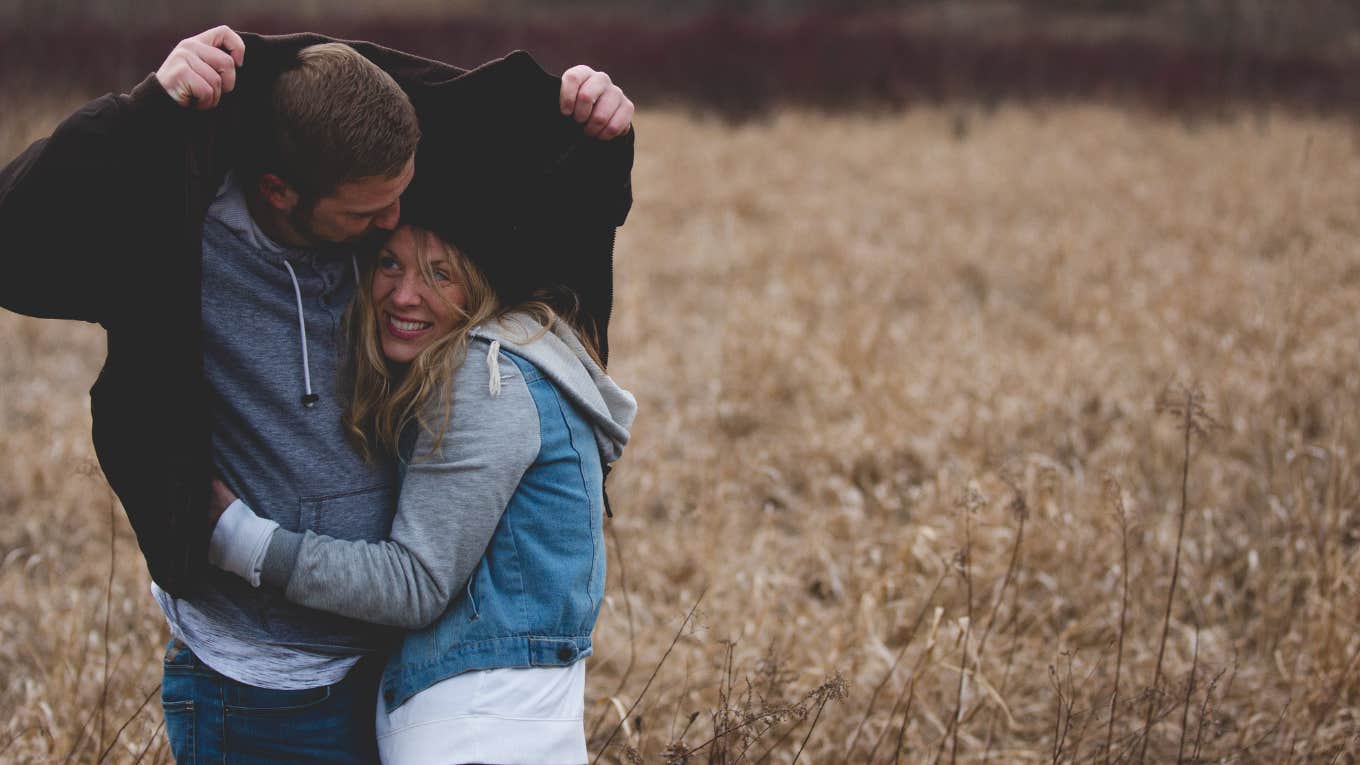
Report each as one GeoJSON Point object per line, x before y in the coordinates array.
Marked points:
{"type": "Point", "coordinates": [596, 102]}
{"type": "Point", "coordinates": [203, 67]}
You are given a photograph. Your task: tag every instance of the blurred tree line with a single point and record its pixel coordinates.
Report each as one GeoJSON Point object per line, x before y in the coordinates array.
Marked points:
{"type": "Point", "coordinates": [745, 55]}
{"type": "Point", "coordinates": [1273, 25]}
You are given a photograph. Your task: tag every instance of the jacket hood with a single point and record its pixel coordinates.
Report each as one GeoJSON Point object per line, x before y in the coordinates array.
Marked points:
{"type": "Point", "coordinates": [559, 355]}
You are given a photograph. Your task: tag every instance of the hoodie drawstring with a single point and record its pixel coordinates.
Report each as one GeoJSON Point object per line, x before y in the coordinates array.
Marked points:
{"type": "Point", "coordinates": [493, 363]}
{"type": "Point", "coordinates": [309, 398]}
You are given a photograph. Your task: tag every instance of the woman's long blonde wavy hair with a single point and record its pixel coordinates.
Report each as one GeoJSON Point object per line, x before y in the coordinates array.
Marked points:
{"type": "Point", "coordinates": [385, 398]}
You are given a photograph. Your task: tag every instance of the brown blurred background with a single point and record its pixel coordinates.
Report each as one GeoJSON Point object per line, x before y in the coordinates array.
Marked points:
{"type": "Point", "coordinates": [902, 346]}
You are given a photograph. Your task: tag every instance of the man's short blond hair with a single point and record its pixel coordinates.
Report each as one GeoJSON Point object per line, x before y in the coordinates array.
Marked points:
{"type": "Point", "coordinates": [339, 118]}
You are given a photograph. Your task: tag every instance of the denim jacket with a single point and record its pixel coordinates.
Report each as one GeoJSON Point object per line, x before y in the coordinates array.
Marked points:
{"type": "Point", "coordinates": [533, 599]}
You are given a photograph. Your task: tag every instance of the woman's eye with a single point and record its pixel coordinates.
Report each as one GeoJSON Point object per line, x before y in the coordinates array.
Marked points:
{"type": "Point", "coordinates": [440, 276]}
{"type": "Point", "coordinates": [387, 262]}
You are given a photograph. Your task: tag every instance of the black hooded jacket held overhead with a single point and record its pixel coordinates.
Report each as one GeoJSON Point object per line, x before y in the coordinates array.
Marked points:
{"type": "Point", "coordinates": [103, 221]}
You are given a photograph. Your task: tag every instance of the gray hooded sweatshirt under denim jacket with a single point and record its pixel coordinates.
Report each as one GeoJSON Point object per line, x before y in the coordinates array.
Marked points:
{"type": "Point", "coordinates": [450, 501]}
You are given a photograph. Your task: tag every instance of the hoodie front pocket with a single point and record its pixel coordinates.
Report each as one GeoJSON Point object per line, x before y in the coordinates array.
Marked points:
{"type": "Point", "coordinates": [364, 514]}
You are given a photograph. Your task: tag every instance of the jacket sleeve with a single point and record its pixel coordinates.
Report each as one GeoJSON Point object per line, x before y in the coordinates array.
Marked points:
{"type": "Point", "coordinates": [450, 505]}
{"type": "Point", "coordinates": [71, 198]}
{"type": "Point", "coordinates": [595, 193]}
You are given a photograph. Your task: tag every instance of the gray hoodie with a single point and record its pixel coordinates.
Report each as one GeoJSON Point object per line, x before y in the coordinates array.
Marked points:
{"type": "Point", "coordinates": [272, 333]}
{"type": "Point", "coordinates": [450, 502]}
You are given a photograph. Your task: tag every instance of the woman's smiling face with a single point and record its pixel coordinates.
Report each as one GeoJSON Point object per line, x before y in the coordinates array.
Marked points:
{"type": "Point", "coordinates": [414, 310]}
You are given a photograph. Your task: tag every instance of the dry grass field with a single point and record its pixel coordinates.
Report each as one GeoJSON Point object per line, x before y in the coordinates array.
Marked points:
{"type": "Point", "coordinates": [913, 439]}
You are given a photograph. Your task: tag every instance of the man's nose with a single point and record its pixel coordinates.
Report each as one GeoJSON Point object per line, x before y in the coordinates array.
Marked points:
{"type": "Point", "coordinates": [387, 219]}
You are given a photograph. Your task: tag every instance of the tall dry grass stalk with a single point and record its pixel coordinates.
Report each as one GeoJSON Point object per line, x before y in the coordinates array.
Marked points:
{"type": "Point", "coordinates": [1115, 497]}
{"type": "Point", "coordinates": [837, 325]}
{"type": "Point", "coordinates": [1187, 406]}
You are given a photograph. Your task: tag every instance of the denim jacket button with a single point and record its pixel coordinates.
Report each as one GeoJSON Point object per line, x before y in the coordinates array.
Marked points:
{"type": "Point", "coordinates": [565, 652]}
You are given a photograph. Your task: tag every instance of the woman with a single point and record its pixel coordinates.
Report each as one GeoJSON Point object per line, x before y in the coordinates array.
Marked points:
{"type": "Point", "coordinates": [503, 422]}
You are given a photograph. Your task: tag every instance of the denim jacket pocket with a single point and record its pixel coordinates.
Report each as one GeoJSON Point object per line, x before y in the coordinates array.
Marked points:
{"type": "Point", "coordinates": [472, 598]}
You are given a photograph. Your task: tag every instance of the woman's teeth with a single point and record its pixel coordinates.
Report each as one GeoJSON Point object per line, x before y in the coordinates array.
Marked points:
{"type": "Point", "coordinates": [408, 326]}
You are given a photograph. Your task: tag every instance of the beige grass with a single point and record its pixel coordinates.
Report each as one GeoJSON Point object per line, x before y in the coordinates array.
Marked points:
{"type": "Point", "coordinates": [861, 344]}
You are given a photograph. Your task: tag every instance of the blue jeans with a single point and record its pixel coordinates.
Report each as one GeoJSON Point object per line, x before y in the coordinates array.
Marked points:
{"type": "Point", "coordinates": [211, 718]}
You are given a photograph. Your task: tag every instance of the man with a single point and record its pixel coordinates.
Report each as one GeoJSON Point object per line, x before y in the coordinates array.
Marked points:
{"type": "Point", "coordinates": [215, 244]}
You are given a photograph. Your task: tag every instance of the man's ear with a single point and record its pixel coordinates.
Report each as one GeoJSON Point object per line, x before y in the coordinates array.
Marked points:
{"type": "Point", "coordinates": [278, 193]}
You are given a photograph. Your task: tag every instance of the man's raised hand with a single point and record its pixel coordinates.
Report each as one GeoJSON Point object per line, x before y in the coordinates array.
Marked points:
{"type": "Point", "coordinates": [596, 102]}
{"type": "Point", "coordinates": [203, 67]}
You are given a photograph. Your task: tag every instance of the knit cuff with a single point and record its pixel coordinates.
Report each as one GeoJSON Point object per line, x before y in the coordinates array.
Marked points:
{"type": "Point", "coordinates": [239, 542]}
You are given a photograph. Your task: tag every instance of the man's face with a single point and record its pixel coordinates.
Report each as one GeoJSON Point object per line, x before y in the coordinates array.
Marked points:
{"type": "Point", "coordinates": [357, 210]}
